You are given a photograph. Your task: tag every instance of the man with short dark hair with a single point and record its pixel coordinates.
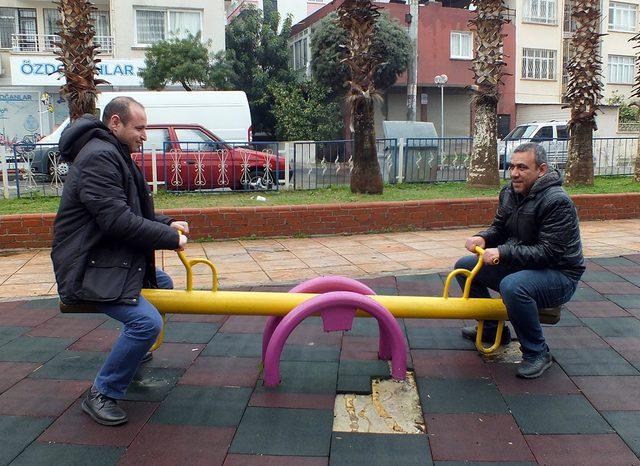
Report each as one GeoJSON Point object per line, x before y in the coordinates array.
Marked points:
{"type": "Point", "coordinates": [533, 255]}
{"type": "Point", "coordinates": [105, 236]}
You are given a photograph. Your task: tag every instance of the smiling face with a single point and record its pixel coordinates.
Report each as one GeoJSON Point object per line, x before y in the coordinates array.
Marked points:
{"type": "Point", "coordinates": [524, 171]}
{"type": "Point", "coordinates": [132, 132]}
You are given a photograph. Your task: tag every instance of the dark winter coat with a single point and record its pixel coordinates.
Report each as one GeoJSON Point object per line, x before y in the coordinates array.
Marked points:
{"type": "Point", "coordinates": [106, 231]}
{"type": "Point", "coordinates": [539, 230]}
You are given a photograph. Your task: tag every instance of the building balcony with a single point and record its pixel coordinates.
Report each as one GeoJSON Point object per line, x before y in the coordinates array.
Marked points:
{"type": "Point", "coordinates": [39, 43]}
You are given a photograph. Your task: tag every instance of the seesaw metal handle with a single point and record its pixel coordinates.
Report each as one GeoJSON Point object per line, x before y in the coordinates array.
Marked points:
{"type": "Point", "coordinates": [471, 274]}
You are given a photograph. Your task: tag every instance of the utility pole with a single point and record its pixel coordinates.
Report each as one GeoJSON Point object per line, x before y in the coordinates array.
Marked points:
{"type": "Point", "coordinates": [412, 70]}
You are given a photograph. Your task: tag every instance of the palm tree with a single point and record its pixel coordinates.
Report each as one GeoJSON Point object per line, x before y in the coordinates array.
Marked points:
{"type": "Point", "coordinates": [584, 91]}
{"type": "Point", "coordinates": [487, 71]}
{"type": "Point", "coordinates": [636, 93]}
{"type": "Point", "coordinates": [77, 52]}
{"type": "Point", "coordinates": [358, 18]}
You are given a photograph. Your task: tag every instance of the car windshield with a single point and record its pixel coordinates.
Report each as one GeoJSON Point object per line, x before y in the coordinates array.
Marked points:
{"type": "Point", "coordinates": [520, 132]}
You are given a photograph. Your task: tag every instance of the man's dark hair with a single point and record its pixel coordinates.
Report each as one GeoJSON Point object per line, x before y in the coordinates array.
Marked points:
{"type": "Point", "coordinates": [119, 106]}
{"type": "Point", "coordinates": [537, 149]}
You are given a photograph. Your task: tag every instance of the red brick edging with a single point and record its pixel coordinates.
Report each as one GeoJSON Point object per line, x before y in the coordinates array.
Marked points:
{"type": "Point", "coordinates": [35, 230]}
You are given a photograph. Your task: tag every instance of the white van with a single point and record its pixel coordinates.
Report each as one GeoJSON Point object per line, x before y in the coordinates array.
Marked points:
{"type": "Point", "coordinates": [224, 113]}
{"type": "Point", "coordinates": [552, 135]}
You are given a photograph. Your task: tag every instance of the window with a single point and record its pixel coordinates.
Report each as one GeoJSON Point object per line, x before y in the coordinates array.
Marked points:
{"type": "Point", "coordinates": [621, 69]}
{"type": "Point", "coordinates": [195, 140]}
{"type": "Point", "coordinates": [540, 11]}
{"type": "Point", "coordinates": [100, 24]}
{"type": "Point", "coordinates": [300, 54]}
{"type": "Point", "coordinates": [20, 21]}
{"type": "Point", "coordinates": [461, 45]}
{"type": "Point", "coordinates": [563, 132]}
{"type": "Point", "coordinates": [155, 25]}
{"type": "Point", "coordinates": [156, 137]}
{"type": "Point", "coordinates": [538, 64]}
{"type": "Point", "coordinates": [622, 17]}
{"type": "Point", "coordinates": [544, 134]}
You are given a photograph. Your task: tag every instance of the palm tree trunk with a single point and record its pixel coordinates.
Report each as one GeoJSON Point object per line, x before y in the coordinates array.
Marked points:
{"type": "Point", "coordinates": [636, 171]}
{"type": "Point", "coordinates": [483, 166]}
{"type": "Point", "coordinates": [580, 154]}
{"type": "Point", "coordinates": [365, 177]}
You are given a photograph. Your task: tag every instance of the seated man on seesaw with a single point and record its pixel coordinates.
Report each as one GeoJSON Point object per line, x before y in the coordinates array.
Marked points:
{"type": "Point", "coordinates": [533, 255]}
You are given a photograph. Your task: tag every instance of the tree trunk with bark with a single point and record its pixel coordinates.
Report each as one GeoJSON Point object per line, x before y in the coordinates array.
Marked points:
{"type": "Point", "coordinates": [579, 168]}
{"type": "Point", "coordinates": [483, 166]}
{"type": "Point", "coordinates": [365, 176]}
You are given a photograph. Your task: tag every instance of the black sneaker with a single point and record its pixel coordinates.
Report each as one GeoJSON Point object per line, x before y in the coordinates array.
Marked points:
{"type": "Point", "coordinates": [148, 356]}
{"type": "Point", "coordinates": [471, 332]}
{"type": "Point", "coordinates": [103, 409]}
{"type": "Point", "coordinates": [533, 368]}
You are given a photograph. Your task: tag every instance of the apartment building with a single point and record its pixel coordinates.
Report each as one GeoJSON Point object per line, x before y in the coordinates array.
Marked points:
{"type": "Point", "coordinates": [446, 46]}
{"type": "Point", "coordinates": [298, 9]}
{"type": "Point", "coordinates": [543, 34]}
{"type": "Point", "coordinates": [30, 103]}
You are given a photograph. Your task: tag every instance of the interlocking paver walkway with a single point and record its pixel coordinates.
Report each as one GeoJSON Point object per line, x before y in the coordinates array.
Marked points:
{"type": "Point", "coordinates": [201, 399]}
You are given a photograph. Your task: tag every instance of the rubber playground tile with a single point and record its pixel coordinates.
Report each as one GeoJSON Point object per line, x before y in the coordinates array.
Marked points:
{"type": "Point", "coordinates": [355, 384]}
{"type": "Point", "coordinates": [152, 383]}
{"type": "Point", "coordinates": [448, 364]}
{"type": "Point", "coordinates": [203, 406]}
{"type": "Point", "coordinates": [474, 437]}
{"type": "Point", "coordinates": [205, 318]}
{"type": "Point", "coordinates": [626, 425]}
{"type": "Point", "coordinates": [310, 353]}
{"type": "Point", "coordinates": [567, 319]}
{"type": "Point", "coordinates": [17, 432]}
{"type": "Point", "coordinates": [187, 332]}
{"type": "Point", "coordinates": [600, 276]}
{"type": "Point", "coordinates": [423, 288]}
{"type": "Point", "coordinates": [573, 337]}
{"type": "Point", "coordinates": [27, 317]}
{"type": "Point", "coordinates": [41, 398]}
{"type": "Point", "coordinates": [239, 345]}
{"type": "Point", "coordinates": [13, 372]}
{"type": "Point", "coordinates": [556, 414]}
{"type": "Point", "coordinates": [305, 377]}
{"type": "Point", "coordinates": [612, 261]}
{"type": "Point", "coordinates": [111, 324]}
{"type": "Point", "coordinates": [268, 399]}
{"type": "Point", "coordinates": [10, 306]}
{"type": "Point", "coordinates": [460, 396]}
{"type": "Point", "coordinates": [68, 455]}
{"type": "Point", "coordinates": [554, 382]}
{"type": "Point", "coordinates": [615, 327]}
{"type": "Point", "coordinates": [586, 293]}
{"type": "Point", "coordinates": [620, 393]}
{"type": "Point", "coordinates": [592, 361]}
{"type": "Point", "coordinates": [485, 463]}
{"type": "Point", "coordinates": [437, 323]}
{"type": "Point", "coordinates": [587, 450]}
{"type": "Point", "coordinates": [360, 348]}
{"type": "Point", "coordinates": [349, 448]}
{"type": "Point", "coordinates": [596, 309]}
{"type": "Point", "coordinates": [77, 428]}
{"type": "Point", "coordinates": [222, 372]}
{"type": "Point", "coordinates": [626, 301]}
{"type": "Point", "coordinates": [615, 288]}
{"type": "Point", "coordinates": [8, 334]}
{"type": "Point", "coordinates": [244, 324]}
{"type": "Point", "coordinates": [364, 327]}
{"type": "Point", "coordinates": [438, 338]}
{"type": "Point", "coordinates": [287, 432]}
{"type": "Point", "coordinates": [175, 355]}
{"type": "Point", "coordinates": [33, 349]}
{"type": "Point", "coordinates": [62, 327]}
{"type": "Point", "coordinates": [44, 304]}
{"type": "Point", "coordinates": [628, 347]}
{"type": "Point", "coordinates": [264, 460]}
{"type": "Point", "coordinates": [97, 340]}
{"type": "Point", "coordinates": [180, 444]}
{"type": "Point", "coordinates": [71, 365]}
{"type": "Point", "coordinates": [315, 335]}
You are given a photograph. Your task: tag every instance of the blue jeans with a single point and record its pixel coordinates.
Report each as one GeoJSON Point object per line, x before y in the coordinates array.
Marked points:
{"type": "Point", "coordinates": [142, 324]}
{"type": "Point", "coordinates": [523, 292]}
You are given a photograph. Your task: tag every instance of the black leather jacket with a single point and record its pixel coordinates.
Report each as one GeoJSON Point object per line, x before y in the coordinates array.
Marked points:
{"type": "Point", "coordinates": [106, 231]}
{"type": "Point", "coordinates": [539, 230]}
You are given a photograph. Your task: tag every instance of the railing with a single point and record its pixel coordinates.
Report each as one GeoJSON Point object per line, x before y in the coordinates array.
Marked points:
{"type": "Point", "coordinates": [241, 166]}
{"type": "Point", "coordinates": [33, 43]}
{"type": "Point", "coordinates": [629, 127]}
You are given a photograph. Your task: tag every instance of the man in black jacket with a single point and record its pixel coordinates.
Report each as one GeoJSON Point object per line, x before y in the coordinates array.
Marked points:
{"type": "Point", "coordinates": [105, 235]}
{"type": "Point", "coordinates": [533, 254]}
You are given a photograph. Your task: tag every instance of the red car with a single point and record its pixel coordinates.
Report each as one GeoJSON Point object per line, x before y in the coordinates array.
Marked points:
{"type": "Point", "coordinates": [190, 157]}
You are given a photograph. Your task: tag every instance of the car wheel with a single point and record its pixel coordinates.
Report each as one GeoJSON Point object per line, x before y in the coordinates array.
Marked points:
{"type": "Point", "coordinates": [258, 181]}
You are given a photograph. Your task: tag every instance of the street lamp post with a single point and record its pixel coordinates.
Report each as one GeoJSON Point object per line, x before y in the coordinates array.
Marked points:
{"type": "Point", "coordinates": [440, 81]}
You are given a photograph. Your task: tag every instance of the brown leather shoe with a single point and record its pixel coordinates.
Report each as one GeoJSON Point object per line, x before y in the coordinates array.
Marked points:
{"type": "Point", "coordinates": [103, 409]}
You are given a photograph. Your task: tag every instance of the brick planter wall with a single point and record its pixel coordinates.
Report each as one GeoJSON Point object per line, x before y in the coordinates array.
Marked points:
{"type": "Point", "coordinates": [35, 230]}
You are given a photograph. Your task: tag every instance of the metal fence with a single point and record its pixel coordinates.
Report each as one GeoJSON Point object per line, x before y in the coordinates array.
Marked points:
{"type": "Point", "coordinates": [240, 166]}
